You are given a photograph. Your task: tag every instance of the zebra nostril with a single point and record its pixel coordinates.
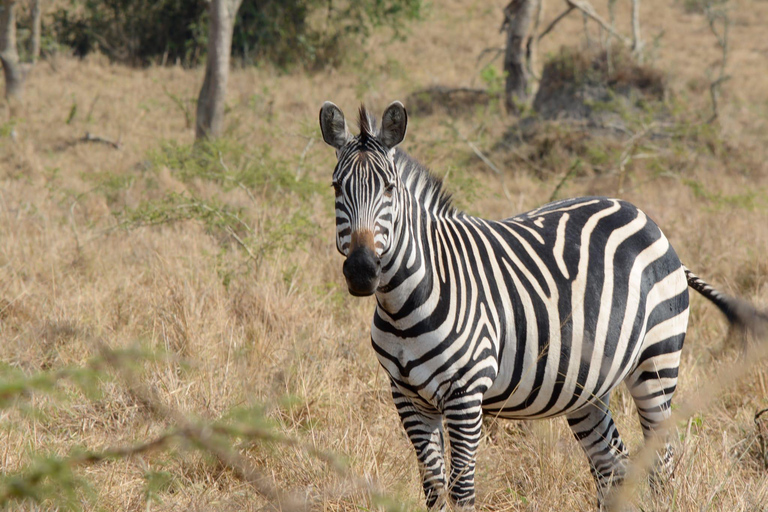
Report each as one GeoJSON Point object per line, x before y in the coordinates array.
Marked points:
{"type": "Point", "coordinates": [362, 269]}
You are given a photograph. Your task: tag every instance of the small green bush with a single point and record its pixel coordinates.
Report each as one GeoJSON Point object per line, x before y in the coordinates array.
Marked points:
{"type": "Point", "coordinates": [313, 33]}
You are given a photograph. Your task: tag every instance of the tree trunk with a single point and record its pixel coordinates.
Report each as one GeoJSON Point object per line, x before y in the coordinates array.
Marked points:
{"type": "Point", "coordinates": [517, 20]}
{"type": "Point", "coordinates": [210, 104]}
{"type": "Point", "coordinates": [36, 28]}
{"type": "Point", "coordinates": [9, 56]}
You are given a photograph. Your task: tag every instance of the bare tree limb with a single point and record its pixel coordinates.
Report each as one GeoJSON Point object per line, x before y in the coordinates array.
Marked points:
{"type": "Point", "coordinates": [497, 51]}
{"type": "Point", "coordinates": [589, 11]}
{"type": "Point", "coordinates": [532, 45]}
{"type": "Point", "coordinates": [556, 21]}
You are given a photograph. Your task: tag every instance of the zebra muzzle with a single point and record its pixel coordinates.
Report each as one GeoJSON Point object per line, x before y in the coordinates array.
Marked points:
{"type": "Point", "coordinates": [362, 269]}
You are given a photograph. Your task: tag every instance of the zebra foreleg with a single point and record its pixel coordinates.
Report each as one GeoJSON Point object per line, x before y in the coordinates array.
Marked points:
{"type": "Point", "coordinates": [425, 430]}
{"type": "Point", "coordinates": [463, 421]}
{"type": "Point", "coordinates": [594, 429]}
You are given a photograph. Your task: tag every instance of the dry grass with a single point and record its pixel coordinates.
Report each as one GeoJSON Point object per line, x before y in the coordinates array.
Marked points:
{"type": "Point", "coordinates": [278, 334]}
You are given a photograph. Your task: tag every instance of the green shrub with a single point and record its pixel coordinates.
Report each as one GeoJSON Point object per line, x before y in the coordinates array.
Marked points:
{"type": "Point", "coordinates": [286, 32]}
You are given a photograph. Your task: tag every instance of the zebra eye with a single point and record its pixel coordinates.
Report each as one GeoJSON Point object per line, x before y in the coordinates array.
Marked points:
{"type": "Point", "coordinates": [388, 189]}
{"type": "Point", "coordinates": [336, 188]}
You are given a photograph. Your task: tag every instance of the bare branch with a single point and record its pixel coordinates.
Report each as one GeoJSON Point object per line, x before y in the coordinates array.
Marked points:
{"type": "Point", "coordinates": [589, 11]}
{"type": "Point", "coordinates": [556, 21]}
{"type": "Point", "coordinates": [532, 45]}
{"type": "Point", "coordinates": [477, 151]}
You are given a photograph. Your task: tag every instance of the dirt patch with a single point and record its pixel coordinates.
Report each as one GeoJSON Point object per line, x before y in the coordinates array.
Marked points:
{"type": "Point", "coordinates": [448, 100]}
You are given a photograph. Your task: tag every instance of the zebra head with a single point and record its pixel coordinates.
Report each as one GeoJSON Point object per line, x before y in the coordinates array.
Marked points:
{"type": "Point", "coordinates": [367, 186]}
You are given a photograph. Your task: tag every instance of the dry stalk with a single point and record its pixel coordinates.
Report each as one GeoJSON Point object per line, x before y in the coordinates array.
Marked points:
{"type": "Point", "coordinates": [637, 42]}
{"type": "Point", "coordinates": [567, 176]}
{"type": "Point", "coordinates": [89, 137]}
{"type": "Point", "coordinates": [761, 424]}
{"type": "Point", "coordinates": [722, 41]}
{"type": "Point", "coordinates": [212, 438]}
{"type": "Point", "coordinates": [555, 22]}
{"type": "Point", "coordinates": [487, 161]}
{"type": "Point", "coordinates": [200, 435]}
{"type": "Point", "coordinates": [721, 380]}
{"type": "Point", "coordinates": [627, 155]}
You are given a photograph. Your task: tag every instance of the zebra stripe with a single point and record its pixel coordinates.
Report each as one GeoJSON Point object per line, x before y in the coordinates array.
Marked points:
{"type": "Point", "coordinates": [539, 315]}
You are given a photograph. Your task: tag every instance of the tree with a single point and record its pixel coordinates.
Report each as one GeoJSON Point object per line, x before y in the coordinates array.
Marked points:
{"type": "Point", "coordinates": [9, 55]}
{"type": "Point", "coordinates": [210, 104]}
{"type": "Point", "coordinates": [517, 19]}
{"type": "Point", "coordinates": [36, 28]}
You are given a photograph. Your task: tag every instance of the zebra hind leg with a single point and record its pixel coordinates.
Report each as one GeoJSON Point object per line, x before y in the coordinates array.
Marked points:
{"type": "Point", "coordinates": [652, 385]}
{"type": "Point", "coordinates": [594, 429]}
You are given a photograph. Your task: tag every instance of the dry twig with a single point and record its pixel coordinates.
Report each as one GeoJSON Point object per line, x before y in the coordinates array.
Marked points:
{"type": "Point", "coordinates": [585, 7]}
{"type": "Point", "coordinates": [89, 137]}
{"type": "Point", "coordinates": [556, 21]}
{"type": "Point", "coordinates": [722, 41]}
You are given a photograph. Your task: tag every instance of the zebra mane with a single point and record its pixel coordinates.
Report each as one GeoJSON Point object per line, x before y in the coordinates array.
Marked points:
{"type": "Point", "coordinates": [426, 188]}
{"type": "Point", "coordinates": [367, 124]}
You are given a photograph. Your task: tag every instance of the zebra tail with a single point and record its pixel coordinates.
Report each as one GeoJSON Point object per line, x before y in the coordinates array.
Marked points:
{"type": "Point", "coordinates": [739, 313]}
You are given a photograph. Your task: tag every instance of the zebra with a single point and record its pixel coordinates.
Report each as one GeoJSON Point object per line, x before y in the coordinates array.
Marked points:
{"type": "Point", "coordinates": [536, 316]}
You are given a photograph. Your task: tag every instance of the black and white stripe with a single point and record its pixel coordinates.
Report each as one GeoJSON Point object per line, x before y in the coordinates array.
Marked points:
{"type": "Point", "coordinates": [536, 316]}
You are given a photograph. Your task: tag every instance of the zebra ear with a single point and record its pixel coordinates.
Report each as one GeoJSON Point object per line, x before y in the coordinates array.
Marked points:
{"type": "Point", "coordinates": [393, 124]}
{"type": "Point", "coordinates": [333, 125]}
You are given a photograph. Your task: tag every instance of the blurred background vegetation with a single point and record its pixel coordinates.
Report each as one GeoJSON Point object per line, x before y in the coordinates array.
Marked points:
{"type": "Point", "coordinates": [308, 33]}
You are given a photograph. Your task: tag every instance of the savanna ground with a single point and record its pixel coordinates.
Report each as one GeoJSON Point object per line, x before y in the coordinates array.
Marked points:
{"type": "Point", "coordinates": [153, 287]}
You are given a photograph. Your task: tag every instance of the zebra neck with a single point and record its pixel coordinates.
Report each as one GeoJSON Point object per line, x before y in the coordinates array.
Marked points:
{"type": "Point", "coordinates": [411, 284]}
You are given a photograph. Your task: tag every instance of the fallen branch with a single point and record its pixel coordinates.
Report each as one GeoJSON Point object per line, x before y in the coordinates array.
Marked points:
{"type": "Point", "coordinates": [477, 151]}
{"type": "Point", "coordinates": [89, 137]}
{"type": "Point", "coordinates": [439, 89]}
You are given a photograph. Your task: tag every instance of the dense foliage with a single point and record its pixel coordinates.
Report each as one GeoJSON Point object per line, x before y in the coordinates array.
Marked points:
{"type": "Point", "coordinates": [286, 32]}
